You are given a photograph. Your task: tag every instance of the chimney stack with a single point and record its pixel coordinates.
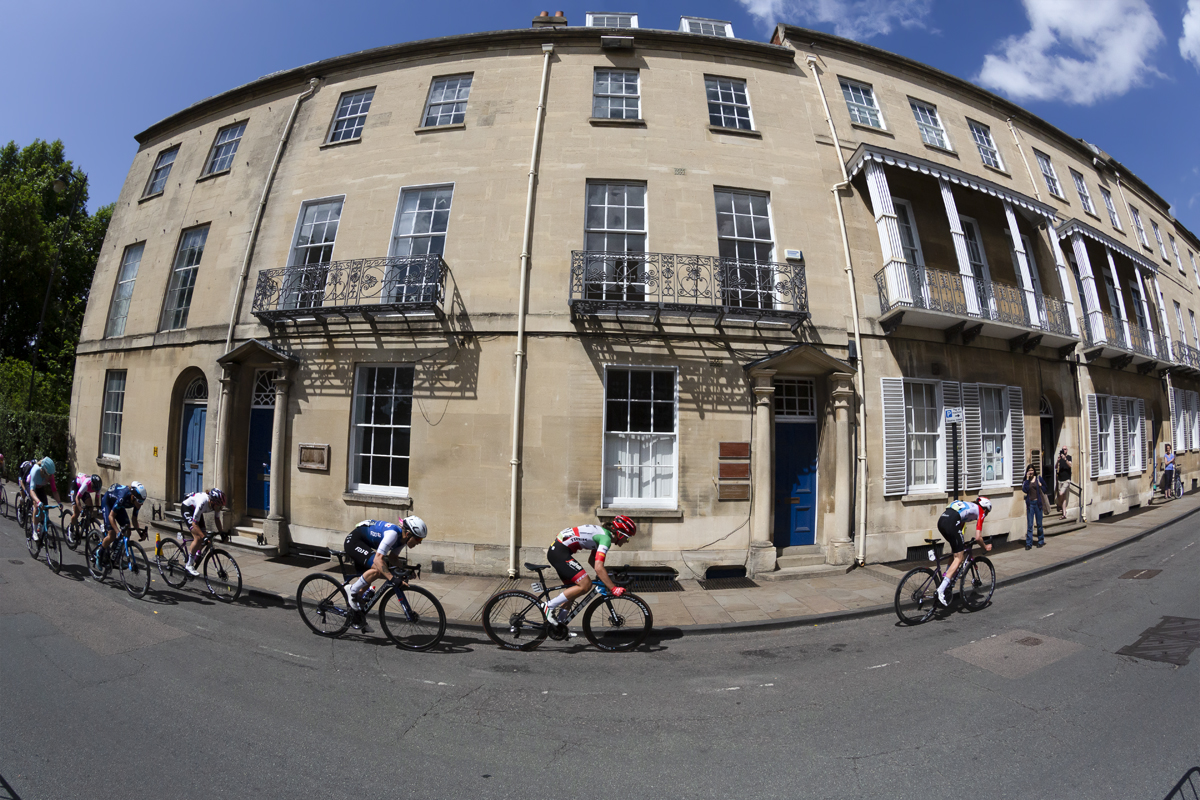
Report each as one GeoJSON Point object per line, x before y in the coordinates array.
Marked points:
{"type": "Point", "coordinates": [544, 20]}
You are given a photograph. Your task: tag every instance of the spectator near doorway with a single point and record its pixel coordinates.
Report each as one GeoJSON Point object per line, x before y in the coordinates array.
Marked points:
{"type": "Point", "coordinates": [1062, 475]}
{"type": "Point", "coordinates": [1035, 505]}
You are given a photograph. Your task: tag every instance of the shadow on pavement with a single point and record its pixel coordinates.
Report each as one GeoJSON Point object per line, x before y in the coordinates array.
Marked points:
{"type": "Point", "coordinates": [6, 791]}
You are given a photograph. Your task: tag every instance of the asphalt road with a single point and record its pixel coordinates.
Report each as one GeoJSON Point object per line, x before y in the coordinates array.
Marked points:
{"type": "Point", "coordinates": [173, 696]}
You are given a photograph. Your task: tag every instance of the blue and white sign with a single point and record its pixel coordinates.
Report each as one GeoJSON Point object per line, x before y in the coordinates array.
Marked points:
{"type": "Point", "coordinates": [953, 415]}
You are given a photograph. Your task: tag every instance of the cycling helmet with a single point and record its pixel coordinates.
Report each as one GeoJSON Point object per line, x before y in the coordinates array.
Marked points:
{"type": "Point", "coordinates": [94, 483]}
{"type": "Point", "coordinates": [623, 527]}
{"type": "Point", "coordinates": [416, 526]}
{"type": "Point", "coordinates": [985, 505]}
{"type": "Point", "coordinates": [139, 491]}
{"type": "Point", "coordinates": [215, 495]}
{"type": "Point", "coordinates": [48, 465]}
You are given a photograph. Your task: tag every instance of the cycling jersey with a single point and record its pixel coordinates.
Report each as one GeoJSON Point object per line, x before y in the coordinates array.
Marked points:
{"type": "Point", "coordinates": [369, 537]}
{"type": "Point", "coordinates": [950, 524]}
{"type": "Point", "coordinates": [38, 477]}
{"type": "Point", "coordinates": [115, 501]}
{"type": "Point", "coordinates": [81, 488]}
{"type": "Point", "coordinates": [587, 537]}
{"type": "Point", "coordinates": [194, 507]}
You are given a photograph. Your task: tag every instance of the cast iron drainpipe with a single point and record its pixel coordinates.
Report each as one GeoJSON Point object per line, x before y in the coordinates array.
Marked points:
{"type": "Point", "coordinates": [861, 472]}
{"type": "Point", "coordinates": [519, 382]}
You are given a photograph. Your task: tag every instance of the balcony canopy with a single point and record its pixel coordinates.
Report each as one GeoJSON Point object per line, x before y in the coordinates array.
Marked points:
{"type": "Point", "coordinates": [1073, 226]}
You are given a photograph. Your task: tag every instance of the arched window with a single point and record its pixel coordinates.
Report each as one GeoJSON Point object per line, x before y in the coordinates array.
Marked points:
{"type": "Point", "coordinates": [1044, 408]}
{"type": "Point", "coordinates": [197, 392]}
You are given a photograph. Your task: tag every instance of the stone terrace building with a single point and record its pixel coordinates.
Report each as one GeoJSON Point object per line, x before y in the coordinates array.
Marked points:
{"type": "Point", "coordinates": [521, 280]}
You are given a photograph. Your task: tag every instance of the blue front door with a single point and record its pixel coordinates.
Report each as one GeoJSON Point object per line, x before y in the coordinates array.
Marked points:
{"type": "Point", "coordinates": [191, 468]}
{"type": "Point", "coordinates": [795, 483]}
{"type": "Point", "coordinates": [258, 461]}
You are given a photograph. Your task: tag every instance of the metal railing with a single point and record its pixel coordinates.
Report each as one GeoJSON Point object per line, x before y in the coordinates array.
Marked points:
{"type": "Point", "coordinates": [950, 292]}
{"type": "Point", "coordinates": [1141, 341]}
{"type": "Point", "coordinates": [366, 285]}
{"type": "Point", "coordinates": [1187, 355]}
{"type": "Point", "coordinates": [678, 283]}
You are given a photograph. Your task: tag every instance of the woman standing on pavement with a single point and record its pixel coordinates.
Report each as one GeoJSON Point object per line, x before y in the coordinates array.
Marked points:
{"type": "Point", "coordinates": [1035, 494]}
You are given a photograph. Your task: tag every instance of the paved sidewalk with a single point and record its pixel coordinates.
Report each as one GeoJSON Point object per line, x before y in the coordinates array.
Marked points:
{"type": "Point", "coordinates": [831, 595]}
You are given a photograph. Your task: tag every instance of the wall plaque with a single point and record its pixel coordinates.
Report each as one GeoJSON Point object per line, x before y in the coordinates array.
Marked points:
{"type": "Point", "coordinates": [314, 457]}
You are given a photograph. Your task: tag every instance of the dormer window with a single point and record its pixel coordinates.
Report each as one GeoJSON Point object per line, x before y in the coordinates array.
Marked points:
{"type": "Point", "coordinates": [611, 19]}
{"type": "Point", "coordinates": [706, 27]}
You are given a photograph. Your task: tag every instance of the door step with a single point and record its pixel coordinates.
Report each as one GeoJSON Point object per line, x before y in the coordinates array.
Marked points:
{"type": "Point", "coordinates": [800, 550]}
{"type": "Point", "coordinates": [246, 536]}
{"type": "Point", "coordinates": [787, 562]}
{"type": "Point", "coordinates": [798, 573]}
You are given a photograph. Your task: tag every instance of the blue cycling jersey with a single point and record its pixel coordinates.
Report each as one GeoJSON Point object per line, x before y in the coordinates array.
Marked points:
{"type": "Point", "coordinates": [382, 535]}
{"type": "Point", "coordinates": [119, 497]}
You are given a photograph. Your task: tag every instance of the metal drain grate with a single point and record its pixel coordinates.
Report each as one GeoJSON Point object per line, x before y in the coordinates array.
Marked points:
{"type": "Point", "coordinates": [650, 584]}
{"type": "Point", "coordinates": [1171, 641]}
{"type": "Point", "coordinates": [712, 584]}
{"type": "Point", "coordinates": [1140, 574]}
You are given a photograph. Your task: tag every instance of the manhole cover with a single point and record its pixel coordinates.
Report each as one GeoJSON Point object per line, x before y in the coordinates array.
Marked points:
{"type": "Point", "coordinates": [1140, 574]}
{"type": "Point", "coordinates": [1171, 641]}
{"type": "Point", "coordinates": [16, 561]}
{"type": "Point", "coordinates": [1029, 641]}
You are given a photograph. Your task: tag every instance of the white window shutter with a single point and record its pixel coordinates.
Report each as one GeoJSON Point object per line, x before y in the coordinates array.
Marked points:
{"type": "Point", "coordinates": [895, 444]}
{"type": "Point", "coordinates": [973, 436]}
{"type": "Point", "coordinates": [1173, 398]}
{"type": "Point", "coordinates": [1093, 436]}
{"type": "Point", "coordinates": [1141, 423]}
{"type": "Point", "coordinates": [952, 398]}
{"type": "Point", "coordinates": [1016, 418]}
{"type": "Point", "coordinates": [1193, 421]}
{"type": "Point", "coordinates": [1120, 432]}
{"type": "Point", "coordinates": [1147, 439]}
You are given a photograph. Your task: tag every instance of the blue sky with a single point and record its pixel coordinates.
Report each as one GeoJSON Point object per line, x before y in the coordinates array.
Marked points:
{"type": "Point", "coordinates": [1115, 72]}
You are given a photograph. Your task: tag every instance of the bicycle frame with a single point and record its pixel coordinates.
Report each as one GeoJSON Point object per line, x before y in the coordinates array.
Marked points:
{"type": "Point", "coordinates": [968, 559]}
{"type": "Point", "coordinates": [598, 590]}
{"type": "Point", "coordinates": [400, 576]}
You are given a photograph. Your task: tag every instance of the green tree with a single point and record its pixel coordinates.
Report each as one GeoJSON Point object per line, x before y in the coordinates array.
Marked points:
{"type": "Point", "coordinates": [33, 218]}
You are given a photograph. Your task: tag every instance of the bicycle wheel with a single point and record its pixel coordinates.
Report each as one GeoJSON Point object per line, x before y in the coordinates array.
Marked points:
{"type": "Point", "coordinates": [134, 569]}
{"type": "Point", "coordinates": [52, 545]}
{"type": "Point", "coordinates": [97, 569]}
{"type": "Point", "coordinates": [977, 583]}
{"type": "Point", "coordinates": [3, 501]}
{"type": "Point", "coordinates": [222, 576]}
{"type": "Point", "coordinates": [514, 620]}
{"type": "Point", "coordinates": [322, 605]}
{"type": "Point", "coordinates": [33, 545]}
{"type": "Point", "coordinates": [22, 512]}
{"type": "Point", "coordinates": [412, 618]}
{"type": "Point", "coordinates": [66, 523]}
{"type": "Point", "coordinates": [170, 558]}
{"type": "Point", "coordinates": [916, 596]}
{"type": "Point", "coordinates": [617, 623]}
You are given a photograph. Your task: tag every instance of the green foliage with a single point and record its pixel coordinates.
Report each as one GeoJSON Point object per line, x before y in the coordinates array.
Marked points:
{"type": "Point", "coordinates": [33, 220]}
{"type": "Point", "coordinates": [30, 434]}
{"type": "Point", "coordinates": [52, 392]}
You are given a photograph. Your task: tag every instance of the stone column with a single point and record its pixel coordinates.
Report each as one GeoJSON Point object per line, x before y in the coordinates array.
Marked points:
{"type": "Point", "coordinates": [1064, 280]}
{"type": "Point", "coordinates": [1112, 270]}
{"type": "Point", "coordinates": [965, 271]}
{"type": "Point", "coordinates": [762, 546]}
{"type": "Point", "coordinates": [275, 526]}
{"type": "Point", "coordinates": [1091, 299]}
{"type": "Point", "coordinates": [224, 426]}
{"type": "Point", "coordinates": [890, 244]}
{"type": "Point", "coordinates": [838, 547]}
{"type": "Point", "coordinates": [1024, 268]}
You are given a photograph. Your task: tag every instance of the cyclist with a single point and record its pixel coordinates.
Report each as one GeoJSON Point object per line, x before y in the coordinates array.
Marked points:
{"type": "Point", "coordinates": [23, 479]}
{"type": "Point", "coordinates": [597, 539]}
{"type": "Point", "coordinates": [193, 509]}
{"type": "Point", "coordinates": [374, 545]}
{"type": "Point", "coordinates": [1168, 471]}
{"type": "Point", "coordinates": [113, 505]}
{"type": "Point", "coordinates": [41, 475]}
{"type": "Point", "coordinates": [85, 491]}
{"type": "Point", "coordinates": [950, 526]}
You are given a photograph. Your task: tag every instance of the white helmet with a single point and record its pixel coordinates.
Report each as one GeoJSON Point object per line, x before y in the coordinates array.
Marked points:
{"type": "Point", "coordinates": [139, 491]}
{"type": "Point", "coordinates": [416, 526]}
{"type": "Point", "coordinates": [985, 504]}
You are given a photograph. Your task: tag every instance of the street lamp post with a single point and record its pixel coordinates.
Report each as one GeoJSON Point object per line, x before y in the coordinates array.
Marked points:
{"type": "Point", "coordinates": [59, 186]}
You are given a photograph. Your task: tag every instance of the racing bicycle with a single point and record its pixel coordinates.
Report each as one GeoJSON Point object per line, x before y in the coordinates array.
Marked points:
{"type": "Point", "coordinates": [124, 554]}
{"type": "Point", "coordinates": [221, 573]}
{"type": "Point", "coordinates": [409, 615]}
{"type": "Point", "coordinates": [514, 619]}
{"type": "Point", "coordinates": [916, 596]}
{"type": "Point", "coordinates": [48, 540]}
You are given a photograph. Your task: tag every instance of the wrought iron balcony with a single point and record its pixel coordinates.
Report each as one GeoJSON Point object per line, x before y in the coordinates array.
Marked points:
{"type": "Point", "coordinates": [1187, 356]}
{"type": "Point", "coordinates": [1107, 334]}
{"type": "Point", "coordinates": [1001, 307]}
{"type": "Point", "coordinates": [687, 285]}
{"type": "Point", "coordinates": [364, 287]}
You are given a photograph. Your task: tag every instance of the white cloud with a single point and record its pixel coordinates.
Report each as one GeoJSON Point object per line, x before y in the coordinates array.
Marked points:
{"type": "Point", "coordinates": [1189, 43]}
{"type": "Point", "coordinates": [1079, 51]}
{"type": "Point", "coordinates": [854, 19]}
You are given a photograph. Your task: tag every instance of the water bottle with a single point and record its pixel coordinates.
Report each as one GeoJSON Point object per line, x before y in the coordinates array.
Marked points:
{"type": "Point", "coordinates": [367, 594]}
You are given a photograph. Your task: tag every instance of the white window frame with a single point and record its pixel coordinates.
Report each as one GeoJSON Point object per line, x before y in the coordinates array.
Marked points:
{"type": "Point", "coordinates": [1004, 452]}
{"type": "Point", "coordinates": [1138, 226]}
{"type": "Point", "coordinates": [609, 95]}
{"type": "Point", "coordinates": [454, 112]}
{"type": "Point", "coordinates": [1113, 216]}
{"type": "Point", "coordinates": [113, 412]}
{"type": "Point", "coordinates": [609, 497]}
{"type": "Point", "coordinates": [417, 283]}
{"type": "Point", "coordinates": [1195, 269]}
{"type": "Point", "coordinates": [861, 113]}
{"type": "Point", "coordinates": [352, 110]}
{"type": "Point", "coordinates": [758, 291]}
{"type": "Point", "coordinates": [1179, 321]}
{"type": "Point", "coordinates": [224, 150]}
{"type": "Point", "coordinates": [296, 248]}
{"type": "Point", "coordinates": [118, 308]}
{"type": "Point", "coordinates": [161, 172]}
{"type": "Point", "coordinates": [1195, 330]}
{"type": "Point", "coordinates": [599, 19]}
{"type": "Point", "coordinates": [703, 22]}
{"type": "Point", "coordinates": [898, 202]}
{"type": "Point", "coordinates": [1085, 197]}
{"type": "Point", "coordinates": [939, 445]}
{"type": "Point", "coordinates": [358, 429]}
{"type": "Point", "coordinates": [930, 129]}
{"type": "Point", "coordinates": [304, 286]}
{"type": "Point", "coordinates": [1139, 314]}
{"type": "Point", "coordinates": [1105, 436]}
{"type": "Point", "coordinates": [1175, 250]}
{"type": "Point", "coordinates": [723, 102]}
{"type": "Point", "coordinates": [621, 279]}
{"type": "Point", "coordinates": [1048, 173]}
{"type": "Point", "coordinates": [177, 303]}
{"type": "Point", "coordinates": [987, 149]}
{"type": "Point", "coordinates": [1162, 248]}
{"type": "Point", "coordinates": [1134, 427]}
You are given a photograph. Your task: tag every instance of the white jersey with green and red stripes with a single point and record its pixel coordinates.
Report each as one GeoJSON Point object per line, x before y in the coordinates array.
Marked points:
{"type": "Point", "coordinates": [587, 537]}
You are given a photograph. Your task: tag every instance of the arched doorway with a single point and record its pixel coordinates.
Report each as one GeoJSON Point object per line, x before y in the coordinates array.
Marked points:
{"type": "Point", "coordinates": [795, 462]}
{"type": "Point", "coordinates": [1049, 437]}
{"type": "Point", "coordinates": [258, 443]}
{"type": "Point", "coordinates": [191, 437]}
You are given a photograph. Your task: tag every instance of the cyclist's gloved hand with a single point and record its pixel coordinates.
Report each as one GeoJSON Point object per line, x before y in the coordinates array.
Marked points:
{"type": "Point", "coordinates": [618, 591]}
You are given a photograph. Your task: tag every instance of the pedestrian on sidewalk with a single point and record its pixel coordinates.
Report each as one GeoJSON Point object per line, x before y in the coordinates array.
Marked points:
{"type": "Point", "coordinates": [1035, 494]}
{"type": "Point", "coordinates": [1062, 471]}
{"type": "Point", "coordinates": [1168, 472]}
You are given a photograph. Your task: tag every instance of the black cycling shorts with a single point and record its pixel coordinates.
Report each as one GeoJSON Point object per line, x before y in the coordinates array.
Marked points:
{"type": "Point", "coordinates": [360, 549]}
{"type": "Point", "coordinates": [564, 563]}
{"type": "Point", "coordinates": [950, 526]}
{"type": "Point", "coordinates": [42, 495]}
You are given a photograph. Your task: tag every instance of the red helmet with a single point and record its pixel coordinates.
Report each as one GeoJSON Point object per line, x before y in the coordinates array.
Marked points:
{"type": "Point", "coordinates": [623, 527]}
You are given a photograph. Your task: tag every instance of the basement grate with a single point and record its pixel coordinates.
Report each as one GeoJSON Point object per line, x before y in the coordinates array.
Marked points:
{"type": "Point", "coordinates": [16, 561]}
{"type": "Point", "coordinates": [1140, 574]}
{"type": "Point", "coordinates": [713, 584]}
{"type": "Point", "coordinates": [651, 584]}
{"type": "Point", "coordinates": [1172, 641]}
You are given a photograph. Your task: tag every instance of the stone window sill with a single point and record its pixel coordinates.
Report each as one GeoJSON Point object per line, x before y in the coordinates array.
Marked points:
{"type": "Point", "coordinates": [212, 175]}
{"type": "Point", "coordinates": [656, 513]}
{"type": "Point", "coordinates": [355, 140]}
{"type": "Point", "coordinates": [735, 131]}
{"type": "Point", "coordinates": [150, 197]}
{"type": "Point", "coordinates": [457, 126]}
{"type": "Point", "coordinates": [112, 462]}
{"type": "Point", "coordinates": [873, 129]}
{"type": "Point", "coordinates": [923, 497]}
{"type": "Point", "coordinates": [394, 501]}
{"type": "Point", "coordinates": [943, 150]}
{"type": "Point", "coordinates": [1106, 478]}
{"type": "Point", "coordinates": [998, 170]}
{"type": "Point", "coordinates": [606, 122]}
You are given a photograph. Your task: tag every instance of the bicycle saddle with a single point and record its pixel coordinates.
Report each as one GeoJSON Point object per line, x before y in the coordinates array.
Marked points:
{"type": "Point", "coordinates": [536, 567]}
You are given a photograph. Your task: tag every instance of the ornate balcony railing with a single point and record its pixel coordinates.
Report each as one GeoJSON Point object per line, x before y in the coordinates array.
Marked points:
{"type": "Point", "coordinates": [918, 287]}
{"type": "Point", "coordinates": [671, 283]}
{"type": "Point", "coordinates": [1141, 341]}
{"type": "Point", "coordinates": [368, 286]}
{"type": "Point", "coordinates": [1187, 355]}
